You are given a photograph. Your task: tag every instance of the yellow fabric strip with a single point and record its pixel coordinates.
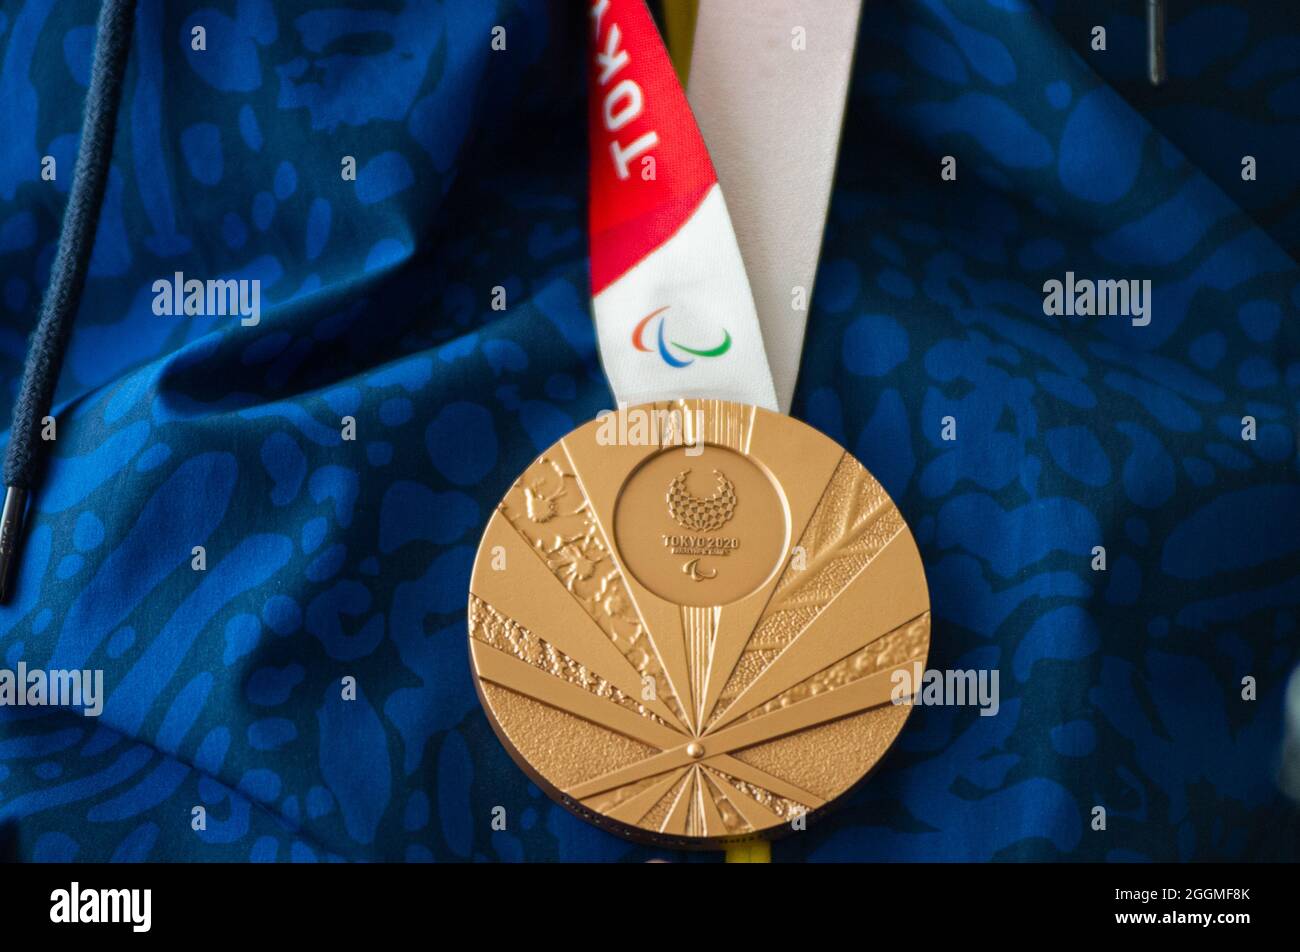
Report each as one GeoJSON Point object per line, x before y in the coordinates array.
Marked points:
{"type": "Point", "coordinates": [679, 24]}
{"type": "Point", "coordinates": [755, 851]}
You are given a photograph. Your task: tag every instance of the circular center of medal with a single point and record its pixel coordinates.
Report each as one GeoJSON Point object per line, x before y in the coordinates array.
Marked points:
{"type": "Point", "coordinates": [695, 750]}
{"type": "Point", "coordinates": [700, 525]}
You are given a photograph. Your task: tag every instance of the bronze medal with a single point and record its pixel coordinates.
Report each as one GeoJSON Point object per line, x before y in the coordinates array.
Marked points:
{"type": "Point", "coordinates": [685, 620]}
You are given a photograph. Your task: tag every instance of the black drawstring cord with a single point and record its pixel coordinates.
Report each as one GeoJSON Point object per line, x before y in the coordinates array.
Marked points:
{"type": "Point", "coordinates": [67, 275]}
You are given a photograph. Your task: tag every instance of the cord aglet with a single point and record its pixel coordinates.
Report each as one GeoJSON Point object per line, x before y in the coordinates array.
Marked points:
{"type": "Point", "coordinates": [11, 533]}
{"type": "Point", "coordinates": [1156, 70]}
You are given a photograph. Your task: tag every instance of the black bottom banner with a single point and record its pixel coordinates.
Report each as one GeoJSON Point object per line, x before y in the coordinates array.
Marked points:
{"type": "Point", "coordinates": [893, 902]}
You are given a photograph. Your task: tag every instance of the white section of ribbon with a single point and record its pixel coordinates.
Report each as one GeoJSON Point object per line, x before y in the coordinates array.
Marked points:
{"type": "Point", "coordinates": [771, 117]}
{"type": "Point", "coordinates": [698, 279]}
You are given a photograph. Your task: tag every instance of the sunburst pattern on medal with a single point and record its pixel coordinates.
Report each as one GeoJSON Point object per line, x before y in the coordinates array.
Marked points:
{"type": "Point", "coordinates": [697, 723]}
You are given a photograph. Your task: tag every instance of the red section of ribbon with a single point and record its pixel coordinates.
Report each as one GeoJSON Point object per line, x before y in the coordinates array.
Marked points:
{"type": "Point", "coordinates": [649, 165]}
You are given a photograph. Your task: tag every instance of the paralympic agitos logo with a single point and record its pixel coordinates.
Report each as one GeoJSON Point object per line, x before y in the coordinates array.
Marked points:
{"type": "Point", "coordinates": [667, 347]}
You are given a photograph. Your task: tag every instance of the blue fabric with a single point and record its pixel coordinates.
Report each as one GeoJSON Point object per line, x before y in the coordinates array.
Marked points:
{"type": "Point", "coordinates": [329, 558]}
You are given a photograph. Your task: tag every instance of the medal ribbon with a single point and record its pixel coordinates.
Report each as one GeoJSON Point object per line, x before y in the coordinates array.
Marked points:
{"type": "Point", "coordinates": [674, 312]}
